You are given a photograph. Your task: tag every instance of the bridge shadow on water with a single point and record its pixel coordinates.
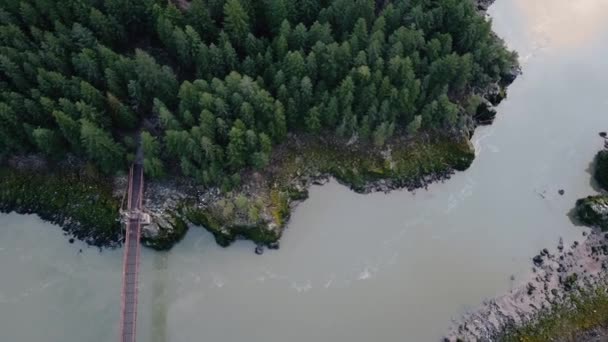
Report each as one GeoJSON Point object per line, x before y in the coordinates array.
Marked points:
{"type": "Point", "coordinates": [159, 308]}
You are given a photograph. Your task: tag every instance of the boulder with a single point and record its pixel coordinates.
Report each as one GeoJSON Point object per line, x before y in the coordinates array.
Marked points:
{"type": "Point", "coordinates": [531, 288]}
{"type": "Point", "coordinates": [320, 180]}
{"type": "Point", "coordinates": [538, 260]}
{"type": "Point", "coordinates": [510, 75]}
{"type": "Point", "coordinates": [483, 5]}
{"type": "Point", "coordinates": [495, 94]}
{"type": "Point", "coordinates": [485, 114]}
{"type": "Point", "coordinates": [593, 211]}
{"type": "Point", "coordinates": [164, 232]}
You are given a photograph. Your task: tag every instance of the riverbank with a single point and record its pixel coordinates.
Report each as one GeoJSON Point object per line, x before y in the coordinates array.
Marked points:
{"type": "Point", "coordinates": [561, 280]}
{"type": "Point", "coordinates": [260, 207]}
{"type": "Point", "coordinates": [86, 205]}
{"type": "Point", "coordinates": [583, 318]}
{"type": "Point", "coordinates": [83, 203]}
{"type": "Point", "coordinates": [83, 206]}
{"type": "Point", "coordinates": [566, 296]}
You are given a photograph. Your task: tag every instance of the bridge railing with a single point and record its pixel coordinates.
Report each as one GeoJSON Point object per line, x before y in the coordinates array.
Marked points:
{"type": "Point", "coordinates": [134, 217]}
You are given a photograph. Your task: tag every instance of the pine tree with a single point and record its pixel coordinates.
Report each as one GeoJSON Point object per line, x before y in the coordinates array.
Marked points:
{"type": "Point", "coordinates": [70, 129]}
{"type": "Point", "coordinates": [100, 147]}
{"type": "Point", "coordinates": [9, 130]}
{"type": "Point", "coordinates": [208, 124]}
{"type": "Point", "coordinates": [223, 80]}
{"type": "Point", "coordinates": [91, 95]}
{"type": "Point", "coordinates": [360, 37]}
{"type": "Point", "coordinates": [313, 120]}
{"type": "Point", "coordinates": [236, 21]}
{"type": "Point", "coordinates": [122, 116]}
{"type": "Point", "coordinates": [299, 38]}
{"type": "Point", "coordinates": [47, 141]}
{"type": "Point", "coordinates": [307, 10]}
{"type": "Point", "coordinates": [107, 29]}
{"type": "Point", "coordinates": [199, 17]}
{"type": "Point", "coordinates": [414, 126]}
{"type": "Point", "coordinates": [153, 166]}
{"type": "Point", "coordinates": [237, 147]}
{"type": "Point", "coordinates": [85, 65]}
{"type": "Point", "coordinates": [276, 12]}
{"type": "Point", "coordinates": [13, 72]}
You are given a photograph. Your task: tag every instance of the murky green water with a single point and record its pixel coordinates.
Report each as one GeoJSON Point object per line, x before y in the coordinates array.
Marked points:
{"type": "Point", "coordinates": [354, 268]}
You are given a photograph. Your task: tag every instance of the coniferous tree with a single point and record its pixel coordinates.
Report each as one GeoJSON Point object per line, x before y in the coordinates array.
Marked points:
{"type": "Point", "coordinates": [100, 147]}
{"type": "Point", "coordinates": [236, 21]}
{"type": "Point", "coordinates": [153, 166]}
{"type": "Point", "coordinates": [220, 82]}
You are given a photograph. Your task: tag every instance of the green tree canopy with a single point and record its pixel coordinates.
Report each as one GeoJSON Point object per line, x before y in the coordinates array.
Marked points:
{"type": "Point", "coordinates": [216, 84]}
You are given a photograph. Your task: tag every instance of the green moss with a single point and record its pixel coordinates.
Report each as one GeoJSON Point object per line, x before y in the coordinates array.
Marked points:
{"type": "Point", "coordinates": [261, 216]}
{"type": "Point", "coordinates": [582, 312]}
{"type": "Point", "coordinates": [83, 206]}
{"type": "Point", "coordinates": [359, 166]}
{"type": "Point", "coordinates": [570, 281]}
{"type": "Point", "coordinates": [258, 234]}
{"type": "Point", "coordinates": [225, 232]}
{"type": "Point", "coordinates": [168, 236]}
{"type": "Point", "coordinates": [601, 169]}
{"type": "Point", "coordinates": [204, 218]}
{"type": "Point", "coordinates": [297, 194]}
{"type": "Point", "coordinates": [279, 205]}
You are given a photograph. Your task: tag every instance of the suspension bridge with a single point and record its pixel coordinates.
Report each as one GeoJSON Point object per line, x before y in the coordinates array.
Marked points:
{"type": "Point", "coordinates": [134, 219]}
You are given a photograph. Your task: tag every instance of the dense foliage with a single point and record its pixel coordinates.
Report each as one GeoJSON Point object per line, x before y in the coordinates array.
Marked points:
{"type": "Point", "coordinates": [218, 83]}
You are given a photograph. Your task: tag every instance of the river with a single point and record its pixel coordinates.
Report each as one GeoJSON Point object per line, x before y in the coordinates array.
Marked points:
{"type": "Point", "coordinates": [351, 267]}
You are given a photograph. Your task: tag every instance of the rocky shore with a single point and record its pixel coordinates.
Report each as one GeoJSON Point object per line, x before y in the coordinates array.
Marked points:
{"type": "Point", "coordinates": [556, 276]}
{"type": "Point", "coordinates": [86, 204]}
{"type": "Point", "coordinates": [572, 279]}
{"type": "Point", "coordinates": [260, 209]}
{"type": "Point", "coordinates": [162, 201]}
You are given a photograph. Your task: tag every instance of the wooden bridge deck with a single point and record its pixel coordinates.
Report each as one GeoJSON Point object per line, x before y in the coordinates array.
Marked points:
{"type": "Point", "coordinates": [131, 254]}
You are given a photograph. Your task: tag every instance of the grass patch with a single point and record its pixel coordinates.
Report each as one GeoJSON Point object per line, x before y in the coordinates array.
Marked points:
{"type": "Point", "coordinates": [565, 322]}
{"type": "Point", "coordinates": [358, 166]}
{"type": "Point", "coordinates": [226, 231]}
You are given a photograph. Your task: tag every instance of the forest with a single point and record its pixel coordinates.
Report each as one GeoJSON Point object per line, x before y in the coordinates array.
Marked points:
{"type": "Point", "coordinates": [214, 85]}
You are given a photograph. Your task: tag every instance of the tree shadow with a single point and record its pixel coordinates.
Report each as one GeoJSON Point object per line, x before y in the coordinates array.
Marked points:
{"type": "Point", "coordinates": [592, 181]}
